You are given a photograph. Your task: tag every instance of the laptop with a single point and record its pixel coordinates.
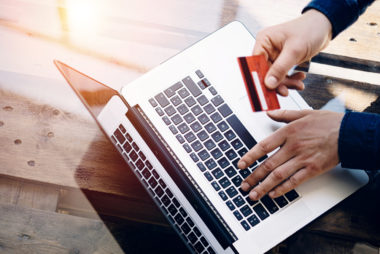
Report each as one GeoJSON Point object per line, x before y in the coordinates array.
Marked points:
{"type": "Point", "coordinates": [182, 127]}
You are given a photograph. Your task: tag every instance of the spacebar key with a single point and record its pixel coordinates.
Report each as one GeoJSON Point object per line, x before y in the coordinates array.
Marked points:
{"type": "Point", "coordinates": [241, 131]}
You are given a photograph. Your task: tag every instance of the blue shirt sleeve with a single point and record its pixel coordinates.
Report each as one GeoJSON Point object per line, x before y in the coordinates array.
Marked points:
{"type": "Point", "coordinates": [359, 141]}
{"type": "Point", "coordinates": [341, 13]}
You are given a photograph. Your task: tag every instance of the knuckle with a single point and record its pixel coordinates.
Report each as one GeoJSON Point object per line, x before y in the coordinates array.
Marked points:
{"type": "Point", "coordinates": [278, 175]}
{"type": "Point", "coordinates": [293, 181]}
{"type": "Point", "coordinates": [267, 166]}
{"type": "Point", "coordinates": [264, 147]}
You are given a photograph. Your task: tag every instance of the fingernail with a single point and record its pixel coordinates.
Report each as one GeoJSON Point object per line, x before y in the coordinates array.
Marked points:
{"type": "Point", "coordinates": [242, 164]}
{"type": "Point", "coordinates": [271, 82]}
{"type": "Point", "coordinates": [245, 186]}
{"type": "Point", "coordinates": [253, 195]}
{"type": "Point", "coordinates": [271, 194]}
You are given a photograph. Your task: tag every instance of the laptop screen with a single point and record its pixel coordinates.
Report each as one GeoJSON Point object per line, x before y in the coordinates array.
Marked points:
{"type": "Point", "coordinates": [93, 94]}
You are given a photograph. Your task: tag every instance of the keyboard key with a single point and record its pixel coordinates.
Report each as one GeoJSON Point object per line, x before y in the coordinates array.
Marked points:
{"type": "Point", "coordinates": [147, 163]}
{"type": "Point", "coordinates": [224, 145]}
{"type": "Point", "coordinates": [176, 100]}
{"type": "Point", "coordinates": [210, 164]}
{"type": "Point", "coordinates": [197, 232]}
{"type": "Point", "coordinates": [209, 108]}
{"type": "Point", "coordinates": [216, 153]}
{"type": "Point", "coordinates": [216, 117]}
{"type": "Point", "coordinates": [199, 74]}
{"type": "Point", "coordinates": [161, 99]}
{"type": "Point", "coordinates": [223, 126]}
{"type": "Point", "coordinates": [176, 203]}
{"type": "Point", "coordinates": [217, 136]}
{"type": "Point", "coordinates": [216, 186]}
{"type": "Point", "coordinates": [237, 180]}
{"type": "Point", "coordinates": [212, 90]}
{"type": "Point", "coordinates": [230, 205]}
{"type": "Point", "coordinates": [183, 128]}
{"type": "Point", "coordinates": [250, 201]}
{"type": "Point", "coordinates": [196, 126]}
{"type": "Point", "coordinates": [242, 192]}
{"type": "Point", "coordinates": [170, 110]}
{"type": "Point", "coordinates": [202, 100]}
{"type": "Point", "coordinates": [192, 237]}
{"type": "Point", "coordinates": [170, 194]}
{"type": "Point", "coordinates": [242, 151]}
{"type": "Point", "coordinates": [217, 173]}
{"type": "Point", "coordinates": [223, 195]}
{"type": "Point", "coordinates": [172, 209]}
{"type": "Point", "coordinates": [291, 195]}
{"type": "Point", "coordinates": [146, 173]}
{"type": "Point", "coordinates": [166, 120]}
{"type": "Point", "coordinates": [140, 165]}
{"type": "Point", "coordinates": [135, 146]}
{"type": "Point", "coordinates": [152, 182]}
{"type": "Point", "coordinates": [179, 219]}
{"type": "Point", "coordinates": [190, 101]}
{"type": "Point", "coordinates": [193, 88]}
{"type": "Point", "coordinates": [253, 220]}
{"type": "Point", "coordinates": [133, 155]}
{"type": "Point", "coordinates": [177, 119]}
{"type": "Point", "coordinates": [187, 148]}
{"type": "Point", "coordinates": [202, 135]}
{"type": "Point", "coordinates": [210, 127]}
{"type": "Point", "coordinates": [263, 158]}
{"type": "Point", "coordinates": [229, 135]}
{"type": "Point", "coordinates": [246, 210]}
{"type": "Point", "coordinates": [201, 166]}
{"type": "Point", "coordinates": [171, 90]}
{"type": "Point", "coordinates": [231, 191]}
{"type": "Point", "coordinates": [153, 102]}
{"type": "Point", "coordinates": [185, 228]}
{"type": "Point", "coordinates": [189, 118]}
{"type": "Point", "coordinates": [190, 137]}
{"type": "Point", "coordinates": [230, 154]}
{"type": "Point", "coordinates": [173, 129]}
{"type": "Point", "coordinates": [182, 109]}
{"type": "Point", "coordinates": [225, 110]}
{"type": "Point", "coordinates": [204, 241]}
{"type": "Point", "coordinates": [196, 146]}
{"type": "Point", "coordinates": [204, 155]}
{"type": "Point", "coordinates": [190, 222]}
{"type": "Point", "coordinates": [237, 144]}
{"type": "Point", "coordinates": [127, 147]}
{"type": "Point", "coordinates": [238, 215]}
{"type": "Point", "coordinates": [269, 204]}
{"type": "Point", "coordinates": [223, 162]}
{"type": "Point", "coordinates": [183, 212]}
{"type": "Point", "coordinates": [165, 200]}
{"type": "Point", "coordinates": [230, 171]}
{"type": "Point", "coordinates": [196, 110]}
{"type": "Point", "coordinates": [235, 162]}
{"type": "Point", "coordinates": [159, 111]}
{"type": "Point", "coordinates": [194, 157]}
{"type": "Point", "coordinates": [217, 100]}
{"type": "Point", "coordinates": [203, 118]}
{"type": "Point", "coordinates": [281, 201]}
{"type": "Point", "coordinates": [209, 144]}
{"type": "Point", "coordinates": [159, 191]}
{"type": "Point", "coordinates": [199, 247]}
{"type": "Point", "coordinates": [245, 225]}
{"type": "Point", "coordinates": [239, 201]}
{"type": "Point", "coordinates": [122, 129]}
{"type": "Point", "coordinates": [261, 212]}
{"type": "Point", "coordinates": [119, 136]}
{"type": "Point", "coordinates": [183, 93]}
{"type": "Point", "coordinates": [180, 138]}
{"type": "Point", "coordinates": [208, 176]}
{"type": "Point", "coordinates": [244, 173]}
{"type": "Point", "coordinates": [201, 85]}
{"type": "Point", "coordinates": [241, 131]}
{"type": "Point", "coordinates": [224, 182]}
{"type": "Point", "coordinates": [162, 183]}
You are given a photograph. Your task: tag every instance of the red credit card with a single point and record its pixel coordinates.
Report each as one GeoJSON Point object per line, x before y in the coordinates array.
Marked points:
{"type": "Point", "coordinates": [254, 70]}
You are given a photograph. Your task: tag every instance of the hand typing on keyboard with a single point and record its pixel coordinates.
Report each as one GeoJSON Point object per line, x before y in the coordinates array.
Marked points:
{"type": "Point", "coordinates": [308, 147]}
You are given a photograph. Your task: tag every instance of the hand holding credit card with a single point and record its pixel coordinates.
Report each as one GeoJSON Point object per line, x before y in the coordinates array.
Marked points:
{"type": "Point", "coordinates": [254, 70]}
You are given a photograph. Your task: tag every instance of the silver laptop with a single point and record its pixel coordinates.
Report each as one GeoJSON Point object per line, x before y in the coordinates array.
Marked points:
{"type": "Point", "coordinates": [182, 127]}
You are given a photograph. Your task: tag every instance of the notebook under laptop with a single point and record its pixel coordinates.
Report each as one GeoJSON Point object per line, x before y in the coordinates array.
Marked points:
{"type": "Point", "coordinates": [183, 126]}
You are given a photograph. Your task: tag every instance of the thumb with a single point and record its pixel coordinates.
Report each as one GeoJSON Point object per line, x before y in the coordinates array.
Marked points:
{"type": "Point", "coordinates": [287, 116]}
{"type": "Point", "coordinates": [280, 67]}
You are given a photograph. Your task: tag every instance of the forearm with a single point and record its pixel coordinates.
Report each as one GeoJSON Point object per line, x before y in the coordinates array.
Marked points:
{"type": "Point", "coordinates": [359, 141]}
{"type": "Point", "coordinates": [341, 13]}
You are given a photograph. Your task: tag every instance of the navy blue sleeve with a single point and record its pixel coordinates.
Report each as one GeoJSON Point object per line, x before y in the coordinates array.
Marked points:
{"type": "Point", "coordinates": [341, 13]}
{"type": "Point", "coordinates": [359, 141]}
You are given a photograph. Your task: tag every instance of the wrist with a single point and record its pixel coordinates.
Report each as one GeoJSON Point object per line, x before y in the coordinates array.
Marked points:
{"type": "Point", "coordinates": [319, 21]}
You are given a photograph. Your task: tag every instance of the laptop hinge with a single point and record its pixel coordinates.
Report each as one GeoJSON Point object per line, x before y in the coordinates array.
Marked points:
{"type": "Point", "coordinates": [182, 178]}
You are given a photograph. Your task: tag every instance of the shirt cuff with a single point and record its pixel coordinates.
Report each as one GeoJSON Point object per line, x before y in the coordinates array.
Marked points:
{"type": "Point", "coordinates": [340, 13]}
{"type": "Point", "coordinates": [359, 141]}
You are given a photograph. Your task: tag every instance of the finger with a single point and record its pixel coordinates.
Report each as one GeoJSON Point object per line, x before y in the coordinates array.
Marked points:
{"type": "Point", "coordinates": [295, 180]}
{"type": "Point", "coordinates": [293, 84]}
{"type": "Point", "coordinates": [298, 75]}
{"type": "Point", "coordinates": [281, 66]}
{"type": "Point", "coordinates": [288, 115]}
{"type": "Point", "coordinates": [282, 90]}
{"type": "Point", "coordinates": [262, 148]}
{"type": "Point", "coordinates": [276, 177]}
{"type": "Point", "coordinates": [272, 163]}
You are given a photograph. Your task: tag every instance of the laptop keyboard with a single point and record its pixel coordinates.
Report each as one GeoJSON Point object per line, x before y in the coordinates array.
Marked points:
{"type": "Point", "coordinates": [151, 179]}
{"type": "Point", "coordinates": [215, 139]}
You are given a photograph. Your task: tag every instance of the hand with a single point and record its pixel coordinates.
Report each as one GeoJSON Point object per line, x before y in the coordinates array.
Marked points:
{"type": "Point", "coordinates": [289, 44]}
{"type": "Point", "coordinates": [308, 146]}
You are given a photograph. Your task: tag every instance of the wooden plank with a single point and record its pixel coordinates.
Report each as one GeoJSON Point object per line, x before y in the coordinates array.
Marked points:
{"type": "Point", "coordinates": [36, 231]}
{"type": "Point", "coordinates": [28, 194]}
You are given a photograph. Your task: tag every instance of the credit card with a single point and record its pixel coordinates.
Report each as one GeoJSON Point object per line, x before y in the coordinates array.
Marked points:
{"type": "Point", "coordinates": [254, 70]}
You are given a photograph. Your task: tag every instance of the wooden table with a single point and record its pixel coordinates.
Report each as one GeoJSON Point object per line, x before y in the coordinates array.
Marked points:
{"type": "Point", "coordinates": [63, 187]}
